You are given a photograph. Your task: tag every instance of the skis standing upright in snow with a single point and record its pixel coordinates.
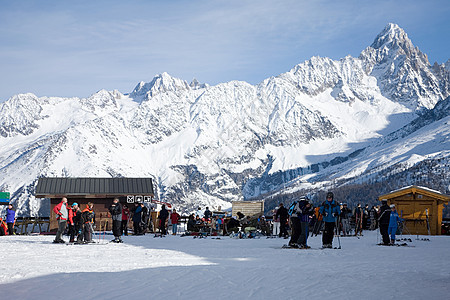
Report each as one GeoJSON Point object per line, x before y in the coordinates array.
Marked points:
{"type": "Point", "coordinates": [428, 221]}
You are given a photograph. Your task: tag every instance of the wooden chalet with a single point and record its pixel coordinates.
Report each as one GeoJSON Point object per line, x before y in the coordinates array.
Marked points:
{"type": "Point", "coordinates": [100, 191]}
{"type": "Point", "coordinates": [413, 203]}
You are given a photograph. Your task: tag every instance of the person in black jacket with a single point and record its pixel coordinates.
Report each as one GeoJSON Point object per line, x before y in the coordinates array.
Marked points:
{"type": "Point", "coordinates": [384, 217]}
{"type": "Point", "coordinates": [282, 213]}
{"type": "Point", "coordinates": [163, 215]}
{"type": "Point", "coordinates": [116, 215]}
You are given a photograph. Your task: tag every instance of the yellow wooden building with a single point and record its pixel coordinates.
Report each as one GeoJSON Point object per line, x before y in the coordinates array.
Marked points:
{"type": "Point", "coordinates": [413, 203]}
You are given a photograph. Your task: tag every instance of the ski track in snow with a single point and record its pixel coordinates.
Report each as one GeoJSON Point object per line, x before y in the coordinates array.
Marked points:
{"type": "Point", "coordinates": [186, 268]}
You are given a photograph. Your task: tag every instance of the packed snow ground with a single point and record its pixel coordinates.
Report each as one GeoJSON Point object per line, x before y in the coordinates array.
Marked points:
{"type": "Point", "coordinates": [186, 268]}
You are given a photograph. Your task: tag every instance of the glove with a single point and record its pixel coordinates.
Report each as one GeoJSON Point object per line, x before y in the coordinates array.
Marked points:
{"type": "Point", "coordinates": [325, 214]}
{"type": "Point", "coordinates": [79, 231]}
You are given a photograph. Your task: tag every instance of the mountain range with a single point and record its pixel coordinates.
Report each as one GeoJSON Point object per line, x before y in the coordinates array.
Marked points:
{"type": "Point", "coordinates": [323, 124]}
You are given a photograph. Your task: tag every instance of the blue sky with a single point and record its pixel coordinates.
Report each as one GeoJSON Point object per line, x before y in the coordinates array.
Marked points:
{"type": "Point", "coordinates": [75, 48]}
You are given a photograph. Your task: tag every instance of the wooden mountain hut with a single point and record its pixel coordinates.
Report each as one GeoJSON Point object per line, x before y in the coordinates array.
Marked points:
{"type": "Point", "coordinates": [415, 205]}
{"type": "Point", "coordinates": [100, 191]}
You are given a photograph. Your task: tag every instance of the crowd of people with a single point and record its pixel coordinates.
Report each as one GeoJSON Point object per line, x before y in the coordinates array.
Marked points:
{"type": "Point", "coordinates": [295, 222]}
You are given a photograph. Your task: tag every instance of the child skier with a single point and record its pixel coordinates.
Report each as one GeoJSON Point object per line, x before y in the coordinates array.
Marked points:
{"type": "Point", "coordinates": [393, 223]}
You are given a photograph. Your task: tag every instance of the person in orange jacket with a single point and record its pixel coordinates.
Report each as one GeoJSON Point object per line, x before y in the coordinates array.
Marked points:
{"type": "Point", "coordinates": [88, 219]}
{"type": "Point", "coordinates": [62, 215]}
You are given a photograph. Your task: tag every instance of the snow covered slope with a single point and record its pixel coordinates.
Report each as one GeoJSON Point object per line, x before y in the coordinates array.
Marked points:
{"type": "Point", "coordinates": [209, 145]}
{"type": "Point", "coordinates": [187, 268]}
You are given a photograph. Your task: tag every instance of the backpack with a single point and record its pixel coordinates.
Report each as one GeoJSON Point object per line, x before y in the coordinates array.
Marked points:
{"type": "Point", "coordinates": [294, 209]}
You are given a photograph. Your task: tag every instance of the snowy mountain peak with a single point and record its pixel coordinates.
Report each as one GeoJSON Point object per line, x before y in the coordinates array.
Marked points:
{"type": "Point", "coordinates": [102, 100]}
{"type": "Point", "coordinates": [19, 114]}
{"type": "Point", "coordinates": [391, 35]}
{"type": "Point", "coordinates": [161, 83]}
{"type": "Point", "coordinates": [403, 72]}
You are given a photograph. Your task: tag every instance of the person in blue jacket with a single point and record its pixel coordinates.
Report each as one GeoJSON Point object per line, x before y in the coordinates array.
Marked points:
{"type": "Point", "coordinates": [10, 218]}
{"type": "Point", "coordinates": [393, 223]}
{"type": "Point", "coordinates": [330, 210]}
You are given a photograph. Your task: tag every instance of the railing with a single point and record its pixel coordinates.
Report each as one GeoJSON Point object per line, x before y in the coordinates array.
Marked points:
{"type": "Point", "coordinates": [23, 224]}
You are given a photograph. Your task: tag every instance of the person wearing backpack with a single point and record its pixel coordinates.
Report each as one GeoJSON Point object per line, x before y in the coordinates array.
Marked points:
{"type": "Point", "coordinates": [294, 213]}
{"type": "Point", "coordinates": [330, 210]}
{"type": "Point", "coordinates": [306, 212]}
{"type": "Point", "coordinates": [88, 220]}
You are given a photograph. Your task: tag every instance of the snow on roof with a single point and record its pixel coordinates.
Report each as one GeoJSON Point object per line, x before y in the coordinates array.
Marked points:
{"type": "Point", "coordinates": [413, 186]}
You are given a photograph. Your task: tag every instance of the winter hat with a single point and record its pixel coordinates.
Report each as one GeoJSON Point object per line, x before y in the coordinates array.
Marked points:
{"type": "Point", "coordinates": [330, 195]}
{"type": "Point", "coordinates": [392, 206]}
{"type": "Point", "coordinates": [74, 204]}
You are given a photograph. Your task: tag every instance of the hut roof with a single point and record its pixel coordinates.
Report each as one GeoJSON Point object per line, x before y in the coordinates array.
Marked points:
{"type": "Point", "coordinates": [48, 187]}
{"type": "Point", "coordinates": [416, 189]}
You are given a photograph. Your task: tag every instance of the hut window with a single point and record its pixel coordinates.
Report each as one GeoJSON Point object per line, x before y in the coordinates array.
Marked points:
{"type": "Point", "coordinates": [419, 196]}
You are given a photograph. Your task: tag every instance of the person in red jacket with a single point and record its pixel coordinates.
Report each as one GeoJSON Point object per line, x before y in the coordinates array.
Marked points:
{"type": "Point", "coordinates": [62, 215]}
{"type": "Point", "coordinates": [174, 217]}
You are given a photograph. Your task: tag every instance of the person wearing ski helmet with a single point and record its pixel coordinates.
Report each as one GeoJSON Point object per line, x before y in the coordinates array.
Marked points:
{"type": "Point", "coordinates": [330, 210]}
{"type": "Point", "coordinates": [73, 212]}
{"type": "Point", "coordinates": [394, 218]}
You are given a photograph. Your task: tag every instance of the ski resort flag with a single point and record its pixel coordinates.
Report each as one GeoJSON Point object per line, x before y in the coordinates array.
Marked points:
{"type": "Point", "coordinates": [4, 197]}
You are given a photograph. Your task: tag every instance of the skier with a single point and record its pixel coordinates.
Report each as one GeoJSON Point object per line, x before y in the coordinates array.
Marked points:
{"type": "Point", "coordinates": [88, 220]}
{"type": "Point", "coordinates": [282, 213]}
{"type": "Point", "coordinates": [116, 215]}
{"type": "Point", "coordinates": [163, 214]}
{"type": "Point", "coordinates": [73, 211]}
{"type": "Point", "coordinates": [393, 223]}
{"type": "Point", "coordinates": [78, 224]}
{"type": "Point", "coordinates": [306, 212]}
{"type": "Point", "coordinates": [345, 213]}
{"type": "Point", "coordinates": [330, 211]}
{"type": "Point", "coordinates": [294, 212]}
{"type": "Point", "coordinates": [10, 218]}
{"type": "Point", "coordinates": [125, 218]}
{"type": "Point", "coordinates": [383, 220]}
{"type": "Point", "coordinates": [62, 212]}
{"type": "Point", "coordinates": [174, 217]}
{"type": "Point", "coordinates": [358, 213]}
